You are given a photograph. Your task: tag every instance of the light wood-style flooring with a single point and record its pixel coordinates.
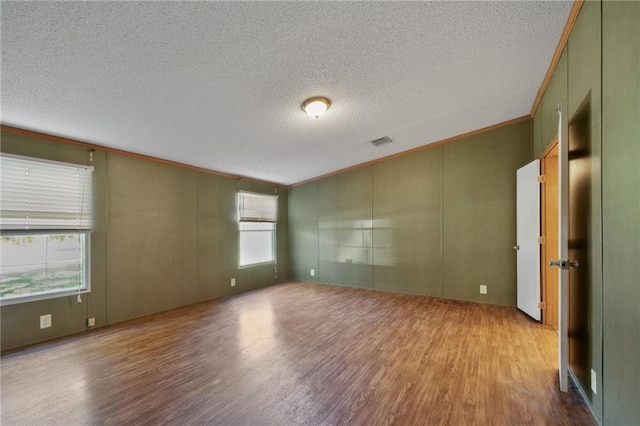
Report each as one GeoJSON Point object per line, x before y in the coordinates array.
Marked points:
{"type": "Point", "coordinates": [298, 354]}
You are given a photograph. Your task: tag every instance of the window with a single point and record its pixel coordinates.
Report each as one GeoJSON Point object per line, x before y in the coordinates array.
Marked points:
{"type": "Point", "coordinates": [45, 219]}
{"type": "Point", "coordinates": [258, 215]}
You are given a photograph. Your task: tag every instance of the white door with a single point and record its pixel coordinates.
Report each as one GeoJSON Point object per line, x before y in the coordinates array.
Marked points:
{"type": "Point", "coordinates": [527, 233]}
{"type": "Point", "coordinates": [563, 252]}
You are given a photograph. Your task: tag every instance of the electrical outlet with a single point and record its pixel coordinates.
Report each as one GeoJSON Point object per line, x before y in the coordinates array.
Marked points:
{"type": "Point", "coordinates": [233, 282]}
{"type": "Point", "coordinates": [91, 322]}
{"type": "Point", "coordinates": [45, 321]}
{"type": "Point", "coordinates": [594, 386]}
{"type": "Point", "coordinates": [312, 272]}
{"type": "Point", "coordinates": [483, 289]}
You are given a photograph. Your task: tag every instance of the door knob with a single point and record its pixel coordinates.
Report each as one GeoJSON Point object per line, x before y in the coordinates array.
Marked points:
{"type": "Point", "coordinates": [516, 247]}
{"type": "Point", "coordinates": [564, 264]}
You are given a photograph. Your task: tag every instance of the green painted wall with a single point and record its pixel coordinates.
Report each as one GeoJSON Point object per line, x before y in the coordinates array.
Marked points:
{"type": "Point", "coordinates": [437, 222]}
{"type": "Point", "coordinates": [217, 235]}
{"type": "Point", "coordinates": [600, 65]}
{"type": "Point", "coordinates": [479, 211]}
{"type": "Point", "coordinates": [152, 237]}
{"type": "Point", "coordinates": [537, 141]}
{"type": "Point", "coordinates": [303, 221]}
{"type": "Point", "coordinates": [407, 212]}
{"type": "Point", "coordinates": [584, 86]}
{"type": "Point", "coordinates": [163, 237]}
{"type": "Point", "coordinates": [345, 229]}
{"type": "Point", "coordinates": [546, 118]}
{"type": "Point", "coordinates": [621, 210]}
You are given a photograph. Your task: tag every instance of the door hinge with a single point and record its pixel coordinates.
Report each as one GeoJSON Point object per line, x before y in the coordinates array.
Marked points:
{"type": "Point", "coordinates": [540, 179]}
{"type": "Point", "coordinates": [542, 305]}
{"type": "Point", "coordinates": [541, 240]}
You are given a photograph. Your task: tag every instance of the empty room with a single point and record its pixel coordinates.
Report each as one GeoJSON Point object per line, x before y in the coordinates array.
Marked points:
{"type": "Point", "coordinates": [320, 213]}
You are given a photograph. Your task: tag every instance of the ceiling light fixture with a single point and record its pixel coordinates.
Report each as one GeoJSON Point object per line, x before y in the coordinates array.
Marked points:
{"type": "Point", "coordinates": [316, 106]}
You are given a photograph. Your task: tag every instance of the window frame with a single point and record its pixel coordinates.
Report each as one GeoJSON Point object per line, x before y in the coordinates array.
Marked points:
{"type": "Point", "coordinates": [274, 244]}
{"type": "Point", "coordinates": [273, 247]}
{"type": "Point", "coordinates": [86, 272]}
{"type": "Point", "coordinates": [84, 231]}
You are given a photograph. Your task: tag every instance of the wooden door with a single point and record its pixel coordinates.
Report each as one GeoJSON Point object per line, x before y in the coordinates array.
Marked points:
{"type": "Point", "coordinates": [549, 216]}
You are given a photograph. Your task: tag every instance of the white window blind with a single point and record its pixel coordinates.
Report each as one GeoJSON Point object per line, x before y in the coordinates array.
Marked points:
{"type": "Point", "coordinates": [257, 207]}
{"type": "Point", "coordinates": [40, 195]}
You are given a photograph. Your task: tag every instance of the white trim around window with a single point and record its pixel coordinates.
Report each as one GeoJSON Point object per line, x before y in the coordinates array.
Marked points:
{"type": "Point", "coordinates": [257, 222]}
{"type": "Point", "coordinates": [45, 223]}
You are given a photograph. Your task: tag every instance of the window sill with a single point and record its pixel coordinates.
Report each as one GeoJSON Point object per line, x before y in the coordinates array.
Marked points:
{"type": "Point", "coordinates": [271, 262]}
{"type": "Point", "coordinates": [39, 297]}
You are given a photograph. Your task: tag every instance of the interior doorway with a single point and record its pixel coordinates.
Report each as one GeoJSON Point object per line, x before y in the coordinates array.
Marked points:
{"type": "Point", "coordinates": [579, 288]}
{"type": "Point", "coordinates": [549, 229]}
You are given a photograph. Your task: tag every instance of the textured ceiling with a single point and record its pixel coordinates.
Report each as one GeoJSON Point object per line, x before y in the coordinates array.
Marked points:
{"type": "Point", "coordinates": [219, 84]}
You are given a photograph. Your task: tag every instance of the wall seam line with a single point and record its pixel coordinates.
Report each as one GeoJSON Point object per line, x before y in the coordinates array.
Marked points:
{"type": "Point", "coordinates": [602, 221]}
{"type": "Point", "coordinates": [106, 242]}
{"type": "Point", "coordinates": [441, 221]}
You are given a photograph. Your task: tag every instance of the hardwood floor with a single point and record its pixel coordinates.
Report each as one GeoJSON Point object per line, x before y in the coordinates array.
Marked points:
{"type": "Point", "coordinates": [298, 354]}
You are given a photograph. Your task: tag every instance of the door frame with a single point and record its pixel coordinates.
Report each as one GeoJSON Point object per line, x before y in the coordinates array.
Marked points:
{"type": "Point", "coordinates": [563, 250]}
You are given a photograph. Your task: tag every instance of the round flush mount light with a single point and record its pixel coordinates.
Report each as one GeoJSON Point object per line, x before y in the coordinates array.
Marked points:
{"type": "Point", "coordinates": [316, 106]}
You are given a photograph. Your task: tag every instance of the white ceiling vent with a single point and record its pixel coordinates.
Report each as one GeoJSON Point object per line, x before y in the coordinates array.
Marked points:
{"type": "Point", "coordinates": [382, 141]}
